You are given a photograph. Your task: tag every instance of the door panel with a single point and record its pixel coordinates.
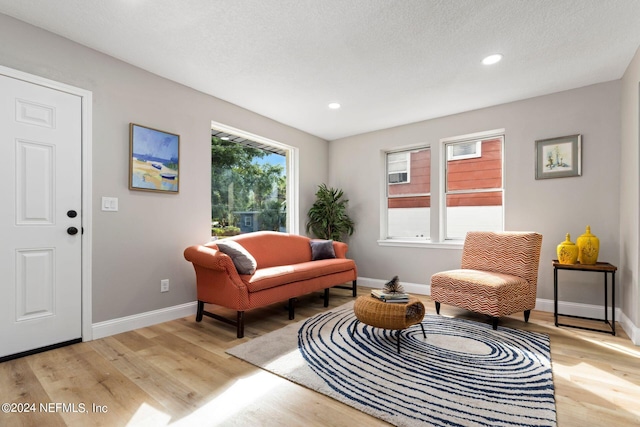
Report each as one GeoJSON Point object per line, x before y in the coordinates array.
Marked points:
{"type": "Point", "coordinates": [40, 173]}
{"type": "Point", "coordinates": [34, 284]}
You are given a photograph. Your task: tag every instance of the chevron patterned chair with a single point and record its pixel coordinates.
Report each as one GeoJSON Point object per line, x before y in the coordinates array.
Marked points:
{"type": "Point", "coordinates": [498, 275]}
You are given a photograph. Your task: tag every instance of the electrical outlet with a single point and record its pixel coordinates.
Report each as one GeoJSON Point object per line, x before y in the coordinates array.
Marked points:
{"type": "Point", "coordinates": [164, 285]}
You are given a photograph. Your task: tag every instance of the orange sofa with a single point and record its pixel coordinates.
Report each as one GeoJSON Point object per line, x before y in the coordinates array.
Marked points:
{"type": "Point", "coordinates": [284, 271]}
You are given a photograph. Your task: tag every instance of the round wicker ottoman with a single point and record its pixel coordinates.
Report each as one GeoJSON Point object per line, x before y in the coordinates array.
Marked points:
{"type": "Point", "coordinates": [387, 315]}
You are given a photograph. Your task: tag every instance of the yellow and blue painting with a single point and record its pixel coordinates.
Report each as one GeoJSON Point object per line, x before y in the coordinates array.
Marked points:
{"type": "Point", "coordinates": [154, 159]}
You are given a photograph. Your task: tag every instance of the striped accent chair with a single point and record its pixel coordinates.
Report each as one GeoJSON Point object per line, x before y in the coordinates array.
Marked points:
{"type": "Point", "coordinates": [498, 275]}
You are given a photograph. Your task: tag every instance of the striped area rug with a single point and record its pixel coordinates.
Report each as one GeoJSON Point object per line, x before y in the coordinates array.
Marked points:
{"type": "Point", "coordinates": [463, 374]}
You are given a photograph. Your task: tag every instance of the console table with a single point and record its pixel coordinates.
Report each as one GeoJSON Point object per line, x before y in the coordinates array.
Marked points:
{"type": "Point", "coordinates": [599, 267]}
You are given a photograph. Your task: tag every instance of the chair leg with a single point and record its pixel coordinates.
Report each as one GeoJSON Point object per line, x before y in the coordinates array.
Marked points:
{"type": "Point", "coordinates": [526, 315]}
{"type": "Point", "coordinates": [326, 297]}
{"type": "Point", "coordinates": [494, 322]}
{"type": "Point", "coordinates": [437, 307]}
{"type": "Point", "coordinates": [200, 311]}
{"type": "Point", "coordinates": [355, 289]}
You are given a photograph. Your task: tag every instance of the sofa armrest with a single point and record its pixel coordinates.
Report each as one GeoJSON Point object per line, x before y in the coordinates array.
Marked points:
{"type": "Point", "coordinates": [340, 248]}
{"type": "Point", "coordinates": [207, 256]}
{"type": "Point", "coordinates": [217, 279]}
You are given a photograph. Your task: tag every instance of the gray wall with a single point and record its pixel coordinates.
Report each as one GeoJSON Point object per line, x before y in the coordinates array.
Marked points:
{"type": "Point", "coordinates": [551, 207]}
{"type": "Point", "coordinates": [135, 248]}
{"type": "Point", "coordinates": [630, 192]}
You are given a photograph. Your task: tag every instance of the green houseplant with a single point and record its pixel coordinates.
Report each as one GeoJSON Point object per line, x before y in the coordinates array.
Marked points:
{"type": "Point", "coordinates": [328, 217]}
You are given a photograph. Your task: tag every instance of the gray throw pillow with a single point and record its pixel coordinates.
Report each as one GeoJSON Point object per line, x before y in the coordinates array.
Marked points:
{"type": "Point", "coordinates": [245, 263]}
{"type": "Point", "coordinates": [322, 249]}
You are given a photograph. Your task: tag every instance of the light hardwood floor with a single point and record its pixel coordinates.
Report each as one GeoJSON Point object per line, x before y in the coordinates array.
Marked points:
{"type": "Point", "coordinates": [178, 374]}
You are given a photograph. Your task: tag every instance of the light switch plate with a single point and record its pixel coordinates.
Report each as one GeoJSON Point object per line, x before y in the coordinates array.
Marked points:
{"type": "Point", "coordinates": [110, 204]}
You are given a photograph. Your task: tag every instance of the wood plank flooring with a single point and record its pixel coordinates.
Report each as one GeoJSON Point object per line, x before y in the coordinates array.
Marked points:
{"type": "Point", "coordinates": [178, 374]}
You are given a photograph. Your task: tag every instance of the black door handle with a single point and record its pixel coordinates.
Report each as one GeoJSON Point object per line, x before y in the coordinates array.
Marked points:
{"type": "Point", "coordinates": [72, 213]}
{"type": "Point", "coordinates": [72, 230]}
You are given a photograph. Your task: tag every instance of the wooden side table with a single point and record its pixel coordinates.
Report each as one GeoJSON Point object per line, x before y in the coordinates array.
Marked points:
{"type": "Point", "coordinates": [599, 267]}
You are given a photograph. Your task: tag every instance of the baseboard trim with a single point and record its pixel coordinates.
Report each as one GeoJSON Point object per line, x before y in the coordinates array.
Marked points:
{"type": "Point", "coordinates": [142, 320]}
{"type": "Point", "coordinates": [415, 288]}
{"type": "Point", "coordinates": [571, 308]}
{"type": "Point", "coordinates": [632, 330]}
{"type": "Point", "coordinates": [149, 318]}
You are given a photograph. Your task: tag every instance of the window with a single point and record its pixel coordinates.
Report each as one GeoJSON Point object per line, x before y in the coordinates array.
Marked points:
{"type": "Point", "coordinates": [251, 182]}
{"type": "Point", "coordinates": [468, 194]}
{"type": "Point", "coordinates": [464, 150]}
{"type": "Point", "coordinates": [473, 188]}
{"type": "Point", "coordinates": [409, 200]}
{"type": "Point", "coordinates": [398, 167]}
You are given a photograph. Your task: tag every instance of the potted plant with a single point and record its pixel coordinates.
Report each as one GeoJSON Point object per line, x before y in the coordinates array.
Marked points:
{"type": "Point", "coordinates": [328, 218]}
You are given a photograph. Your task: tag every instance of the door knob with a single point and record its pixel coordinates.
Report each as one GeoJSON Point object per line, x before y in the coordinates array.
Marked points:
{"type": "Point", "coordinates": [72, 213]}
{"type": "Point", "coordinates": [72, 230]}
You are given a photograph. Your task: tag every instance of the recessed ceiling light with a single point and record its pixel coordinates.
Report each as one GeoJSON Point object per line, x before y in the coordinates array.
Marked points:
{"type": "Point", "coordinates": [492, 59]}
{"type": "Point", "coordinates": [334, 105]}
{"type": "Point", "coordinates": [225, 138]}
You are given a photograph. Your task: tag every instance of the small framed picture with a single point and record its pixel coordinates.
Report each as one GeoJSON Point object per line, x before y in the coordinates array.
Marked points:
{"type": "Point", "coordinates": [559, 157]}
{"type": "Point", "coordinates": [154, 159]}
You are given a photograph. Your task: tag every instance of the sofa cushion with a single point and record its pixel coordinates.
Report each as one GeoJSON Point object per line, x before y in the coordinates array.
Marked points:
{"type": "Point", "coordinates": [271, 248]}
{"type": "Point", "coordinates": [270, 277]}
{"type": "Point", "coordinates": [322, 249]}
{"type": "Point", "coordinates": [491, 285]}
{"type": "Point", "coordinates": [245, 263]}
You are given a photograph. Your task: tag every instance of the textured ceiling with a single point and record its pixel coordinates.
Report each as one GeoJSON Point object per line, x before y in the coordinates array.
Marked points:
{"type": "Point", "coordinates": [387, 62]}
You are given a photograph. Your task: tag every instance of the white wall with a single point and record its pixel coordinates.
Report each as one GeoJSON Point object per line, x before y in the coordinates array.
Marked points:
{"type": "Point", "coordinates": [630, 192]}
{"type": "Point", "coordinates": [135, 248]}
{"type": "Point", "coordinates": [552, 207]}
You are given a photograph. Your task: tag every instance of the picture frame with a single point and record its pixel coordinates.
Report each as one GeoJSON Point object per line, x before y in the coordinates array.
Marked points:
{"type": "Point", "coordinates": [559, 157]}
{"type": "Point", "coordinates": [154, 160]}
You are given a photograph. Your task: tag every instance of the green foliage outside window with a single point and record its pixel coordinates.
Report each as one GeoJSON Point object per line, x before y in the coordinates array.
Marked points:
{"type": "Point", "coordinates": [240, 185]}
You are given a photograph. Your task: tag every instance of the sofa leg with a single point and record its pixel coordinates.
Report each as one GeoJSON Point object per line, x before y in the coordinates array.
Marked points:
{"type": "Point", "coordinates": [353, 287]}
{"type": "Point", "coordinates": [326, 297]}
{"type": "Point", "coordinates": [240, 323]}
{"type": "Point", "coordinates": [437, 307]}
{"type": "Point", "coordinates": [494, 322]}
{"type": "Point", "coordinates": [526, 315]}
{"type": "Point", "coordinates": [200, 311]}
{"type": "Point", "coordinates": [292, 313]}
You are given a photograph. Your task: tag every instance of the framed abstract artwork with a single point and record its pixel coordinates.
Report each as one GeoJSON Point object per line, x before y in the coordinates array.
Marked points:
{"type": "Point", "coordinates": [154, 159]}
{"type": "Point", "coordinates": [559, 157]}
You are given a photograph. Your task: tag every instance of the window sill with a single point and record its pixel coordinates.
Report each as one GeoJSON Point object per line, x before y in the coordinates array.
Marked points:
{"type": "Point", "coordinates": [457, 244]}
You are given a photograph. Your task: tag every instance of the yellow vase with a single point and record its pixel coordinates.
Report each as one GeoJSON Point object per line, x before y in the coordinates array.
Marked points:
{"type": "Point", "coordinates": [567, 251]}
{"type": "Point", "coordinates": [588, 247]}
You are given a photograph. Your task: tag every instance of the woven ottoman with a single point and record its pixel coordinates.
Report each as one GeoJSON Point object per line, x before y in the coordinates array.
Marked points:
{"type": "Point", "coordinates": [386, 315]}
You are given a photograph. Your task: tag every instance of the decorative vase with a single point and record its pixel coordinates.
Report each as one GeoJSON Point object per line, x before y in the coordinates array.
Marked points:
{"type": "Point", "coordinates": [588, 247]}
{"type": "Point", "coordinates": [567, 251]}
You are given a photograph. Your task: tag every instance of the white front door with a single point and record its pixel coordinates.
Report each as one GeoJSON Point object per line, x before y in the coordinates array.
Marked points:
{"type": "Point", "coordinates": [40, 208]}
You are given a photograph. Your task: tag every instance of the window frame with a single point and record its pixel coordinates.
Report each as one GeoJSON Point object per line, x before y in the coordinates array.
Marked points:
{"type": "Point", "coordinates": [292, 172]}
{"type": "Point", "coordinates": [445, 167]}
{"type": "Point", "coordinates": [437, 192]}
{"type": "Point", "coordinates": [386, 196]}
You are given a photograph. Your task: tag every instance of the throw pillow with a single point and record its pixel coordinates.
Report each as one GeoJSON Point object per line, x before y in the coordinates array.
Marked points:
{"type": "Point", "coordinates": [245, 263]}
{"type": "Point", "coordinates": [322, 249]}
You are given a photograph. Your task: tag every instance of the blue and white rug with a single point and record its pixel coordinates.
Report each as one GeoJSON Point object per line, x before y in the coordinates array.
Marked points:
{"type": "Point", "coordinates": [463, 374]}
